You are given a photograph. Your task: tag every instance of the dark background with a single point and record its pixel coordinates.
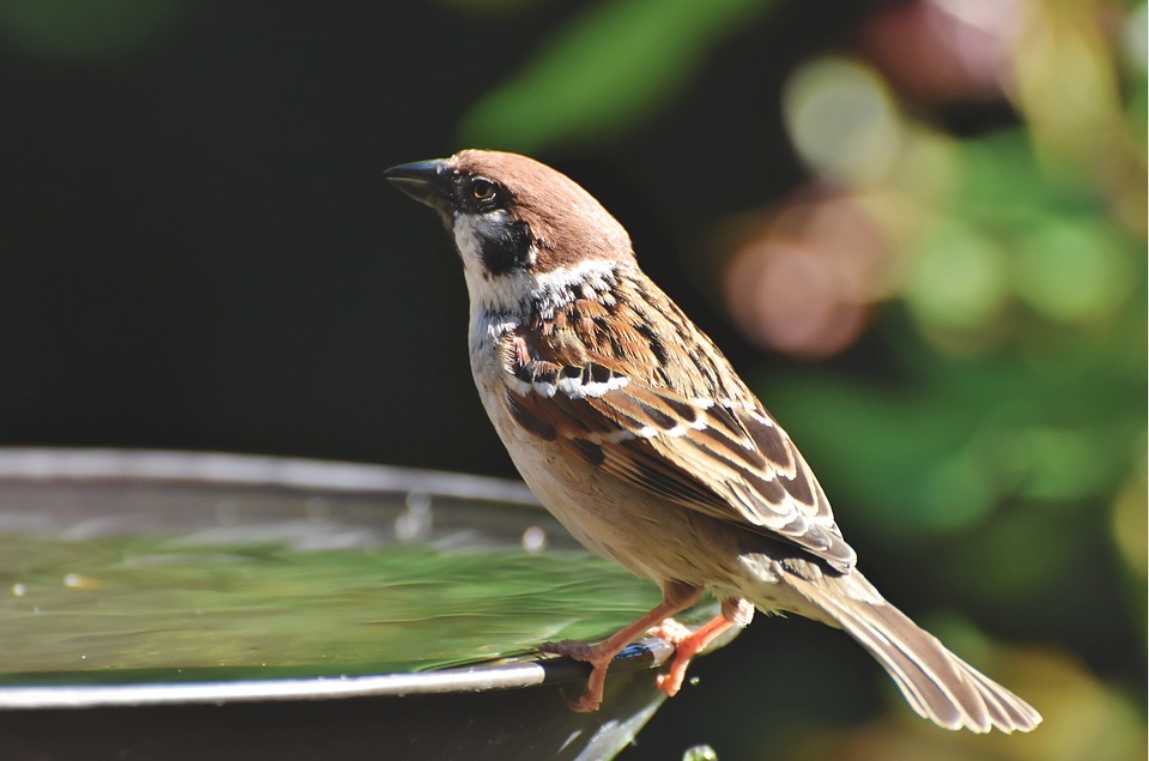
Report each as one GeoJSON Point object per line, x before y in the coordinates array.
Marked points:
{"type": "Point", "coordinates": [198, 251]}
{"type": "Point", "coordinates": [201, 252]}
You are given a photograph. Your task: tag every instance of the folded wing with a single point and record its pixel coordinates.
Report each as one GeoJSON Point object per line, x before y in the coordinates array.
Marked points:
{"type": "Point", "coordinates": [716, 450]}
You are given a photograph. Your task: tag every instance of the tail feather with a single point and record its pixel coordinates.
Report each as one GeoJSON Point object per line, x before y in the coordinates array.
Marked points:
{"type": "Point", "coordinates": [937, 684]}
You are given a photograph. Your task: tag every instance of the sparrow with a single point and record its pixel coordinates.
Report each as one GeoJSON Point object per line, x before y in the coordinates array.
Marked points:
{"type": "Point", "coordinates": [633, 429]}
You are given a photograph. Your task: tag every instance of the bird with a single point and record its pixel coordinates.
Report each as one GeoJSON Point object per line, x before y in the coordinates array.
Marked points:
{"type": "Point", "coordinates": [634, 430]}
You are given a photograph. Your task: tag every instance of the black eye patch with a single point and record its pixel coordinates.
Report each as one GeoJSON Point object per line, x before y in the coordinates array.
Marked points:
{"type": "Point", "coordinates": [476, 195]}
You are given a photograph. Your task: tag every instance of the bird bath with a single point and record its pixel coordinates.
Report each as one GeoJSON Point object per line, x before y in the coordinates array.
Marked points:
{"type": "Point", "coordinates": [182, 606]}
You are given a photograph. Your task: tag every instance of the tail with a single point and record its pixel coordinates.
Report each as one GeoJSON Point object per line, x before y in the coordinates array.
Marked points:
{"type": "Point", "coordinates": [938, 685]}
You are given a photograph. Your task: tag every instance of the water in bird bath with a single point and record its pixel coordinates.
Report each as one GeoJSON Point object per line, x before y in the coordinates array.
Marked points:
{"type": "Point", "coordinates": [111, 583]}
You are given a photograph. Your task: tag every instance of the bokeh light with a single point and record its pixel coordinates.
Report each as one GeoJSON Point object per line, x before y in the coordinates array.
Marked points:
{"type": "Point", "coordinates": [1074, 271]}
{"type": "Point", "coordinates": [959, 279]}
{"type": "Point", "coordinates": [943, 50]}
{"type": "Point", "coordinates": [842, 120]}
{"type": "Point", "coordinates": [802, 281]}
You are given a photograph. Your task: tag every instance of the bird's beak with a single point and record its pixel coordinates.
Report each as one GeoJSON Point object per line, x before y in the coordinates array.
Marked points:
{"type": "Point", "coordinates": [428, 182]}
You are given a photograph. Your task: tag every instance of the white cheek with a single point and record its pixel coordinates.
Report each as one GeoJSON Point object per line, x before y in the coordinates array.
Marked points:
{"type": "Point", "coordinates": [469, 235]}
{"type": "Point", "coordinates": [497, 293]}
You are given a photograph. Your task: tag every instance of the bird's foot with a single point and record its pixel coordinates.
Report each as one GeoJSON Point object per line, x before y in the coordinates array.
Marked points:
{"type": "Point", "coordinates": [571, 648]}
{"type": "Point", "coordinates": [591, 699]}
{"type": "Point", "coordinates": [670, 631]}
{"type": "Point", "coordinates": [687, 644]}
{"type": "Point", "coordinates": [676, 597]}
{"type": "Point", "coordinates": [598, 657]}
{"type": "Point", "coordinates": [671, 682]}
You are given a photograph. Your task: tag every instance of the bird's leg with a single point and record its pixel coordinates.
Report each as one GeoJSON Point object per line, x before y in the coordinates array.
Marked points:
{"type": "Point", "coordinates": [687, 644]}
{"type": "Point", "coordinates": [675, 598]}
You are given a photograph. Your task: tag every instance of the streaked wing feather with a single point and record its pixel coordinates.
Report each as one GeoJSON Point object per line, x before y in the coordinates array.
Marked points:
{"type": "Point", "coordinates": [720, 455]}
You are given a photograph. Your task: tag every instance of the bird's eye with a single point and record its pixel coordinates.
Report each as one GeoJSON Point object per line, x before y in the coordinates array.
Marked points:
{"type": "Point", "coordinates": [483, 190]}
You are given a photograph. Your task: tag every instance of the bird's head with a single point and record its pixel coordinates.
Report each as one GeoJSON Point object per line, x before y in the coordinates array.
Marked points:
{"type": "Point", "coordinates": [522, 229]}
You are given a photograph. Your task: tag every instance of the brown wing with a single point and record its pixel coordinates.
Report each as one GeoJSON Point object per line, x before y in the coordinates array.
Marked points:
{"type": "Point", "coordinates": [708, 445]}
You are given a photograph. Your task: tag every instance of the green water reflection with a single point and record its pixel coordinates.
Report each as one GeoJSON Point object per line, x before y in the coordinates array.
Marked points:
{"type": "Point", "coordinates": [126, 608]}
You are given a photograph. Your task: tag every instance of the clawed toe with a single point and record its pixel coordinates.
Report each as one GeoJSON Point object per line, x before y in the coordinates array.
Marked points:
{"type": "Point", "coordinates": [586, 703]}
{"type": "Point", "coordinates": [671, 631]}
{"type": "Point", "coordinates": [671, 682]}
{"type": "Point", "coordinates": [675, 599]}
{"type": "Point", "coordinates": [571, 648]}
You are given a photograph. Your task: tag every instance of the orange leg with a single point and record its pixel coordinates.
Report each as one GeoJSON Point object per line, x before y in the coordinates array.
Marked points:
{"type": "Point", "coordinates": [688, 644]}
{"type": "Point", "coordinates": [674, 599]}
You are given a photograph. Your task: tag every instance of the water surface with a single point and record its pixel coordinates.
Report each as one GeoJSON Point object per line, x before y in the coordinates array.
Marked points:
{"type": "Point", "coordinates": [206, 584]}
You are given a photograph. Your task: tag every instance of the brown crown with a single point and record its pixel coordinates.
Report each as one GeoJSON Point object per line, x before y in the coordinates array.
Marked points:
{"type": "Point", "coordinates": [566, 222]}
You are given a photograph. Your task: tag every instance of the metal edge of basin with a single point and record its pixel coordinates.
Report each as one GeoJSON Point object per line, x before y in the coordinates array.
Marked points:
{"type": "Point", "coordinates": [512, 708]}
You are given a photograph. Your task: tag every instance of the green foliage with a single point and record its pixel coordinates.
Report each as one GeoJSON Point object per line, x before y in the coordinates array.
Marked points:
{"type": "Point", "coordinates": [1054, 412]}
{"type": "Point", "coordinates": [605, 71]}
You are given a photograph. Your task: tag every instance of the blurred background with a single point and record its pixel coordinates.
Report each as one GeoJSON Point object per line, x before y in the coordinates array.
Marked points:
{"type": "Point", "coordinates": [917, 228]}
